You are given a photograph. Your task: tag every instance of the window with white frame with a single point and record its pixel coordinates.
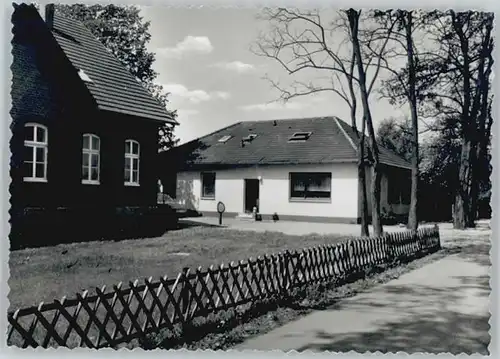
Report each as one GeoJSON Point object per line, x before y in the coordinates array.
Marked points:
{"type": "Point", "coordinates": [132, 152]}
{"type": "Point", "coordinates": [91, 159]}
{"type": "Point", "coordinates": [35, 155]}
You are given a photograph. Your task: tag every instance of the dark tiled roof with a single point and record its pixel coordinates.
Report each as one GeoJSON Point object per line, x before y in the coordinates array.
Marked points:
{"type": "Point", "coordinates": [386, 156]}
{"type": "Point", "coordinates": [113, 87]}
{"type": "Point", "coordinates": [329, 142]}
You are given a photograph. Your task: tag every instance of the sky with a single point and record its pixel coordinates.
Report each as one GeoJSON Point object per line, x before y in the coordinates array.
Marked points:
{"type": "Point", "coordinates": [204, 61]}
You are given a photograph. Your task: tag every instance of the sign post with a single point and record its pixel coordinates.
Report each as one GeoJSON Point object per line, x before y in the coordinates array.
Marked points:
{"type": "Point", "coordinates": [220, 208]}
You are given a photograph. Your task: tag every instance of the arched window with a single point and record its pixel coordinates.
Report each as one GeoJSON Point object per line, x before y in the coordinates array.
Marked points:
{"type": "Point", "coordinates": [132, 151]}
{"type": "Point", "coordinates": [35, 156]}
{"type": "Point", "coordinates": [91, 159]}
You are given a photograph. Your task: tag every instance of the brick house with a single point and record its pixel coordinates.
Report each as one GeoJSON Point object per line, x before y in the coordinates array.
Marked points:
{"type": "Point", "coordinates": [84, 132]}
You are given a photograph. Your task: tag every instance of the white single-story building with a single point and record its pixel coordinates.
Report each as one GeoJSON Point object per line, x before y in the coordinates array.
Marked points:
{"type": "Point", "coordinates": [300, 169]}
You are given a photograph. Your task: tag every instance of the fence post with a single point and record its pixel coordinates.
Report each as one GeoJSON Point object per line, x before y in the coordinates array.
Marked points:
{"type": "Point", "coordinates": [436, 228]}
{"type": "Point", "coordinates": [185, 294]}
{"type": "Point", "coordinates": [415, 244]}
{"type": "Point", "coordinates": [286, 259]}
{"type": "Point", "coordinates": [350, 257]}
{"type": "Point", "coordinates": [390, 248]}
{"type": "Point", "coordinates": [299, 268]}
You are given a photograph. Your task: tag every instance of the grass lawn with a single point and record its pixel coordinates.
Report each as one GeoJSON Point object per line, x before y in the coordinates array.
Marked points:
{"type": "Point", "coordinates": [43, 274]}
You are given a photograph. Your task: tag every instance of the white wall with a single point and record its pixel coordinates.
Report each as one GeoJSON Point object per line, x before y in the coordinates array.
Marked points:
{"type": "Point", "coordinates": [274, 190]}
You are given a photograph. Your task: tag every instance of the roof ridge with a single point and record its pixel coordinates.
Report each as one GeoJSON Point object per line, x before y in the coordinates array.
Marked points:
{"type": "Point", "coordinates": [349, 139]}
{"type": "Point", "coordinates": [289, 119]}
{"type": "Point", "coordinates": [298, 118]}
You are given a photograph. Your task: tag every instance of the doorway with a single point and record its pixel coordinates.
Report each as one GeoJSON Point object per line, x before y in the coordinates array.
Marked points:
{"type": "Point", "coordinates": [251, 195]}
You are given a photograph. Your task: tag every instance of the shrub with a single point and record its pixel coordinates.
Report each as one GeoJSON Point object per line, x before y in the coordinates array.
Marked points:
{"type": "Point", "coordinates": [388, 218]}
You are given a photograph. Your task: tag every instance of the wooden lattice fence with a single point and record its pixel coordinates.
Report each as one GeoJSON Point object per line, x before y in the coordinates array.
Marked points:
{"type": "Point", "coordinates": [121, 314]}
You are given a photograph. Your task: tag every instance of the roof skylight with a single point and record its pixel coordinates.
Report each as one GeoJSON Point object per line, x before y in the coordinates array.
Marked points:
{"type": "Point", "coordinates": [224, 139]}
{"type": "Point", "coordinates": [300, 137]}
{"type": "Point", "coordinates": [84, 76]}
{"type": "Point", "coordinates": [250, 137]}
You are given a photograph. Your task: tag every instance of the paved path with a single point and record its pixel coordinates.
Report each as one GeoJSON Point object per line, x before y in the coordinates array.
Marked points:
{"type": "Point", "coordinates": [441, 307]}
{"type": "Point", "coordinates": [303, 228]}
{"type": "Point", "coordinates": [290, 227]}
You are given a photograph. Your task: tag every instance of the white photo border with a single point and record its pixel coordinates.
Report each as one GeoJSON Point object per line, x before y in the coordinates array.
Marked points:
{"type": "Point", "coordinates": [6, 10]}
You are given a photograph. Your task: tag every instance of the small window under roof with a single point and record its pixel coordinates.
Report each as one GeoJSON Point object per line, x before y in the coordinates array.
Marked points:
{"type": "Point", "coordinates": [84, 76]}
{"type": "Point", "coordinates": [224, 139]}
{"type": "Point", "coordinates": [300, 137]}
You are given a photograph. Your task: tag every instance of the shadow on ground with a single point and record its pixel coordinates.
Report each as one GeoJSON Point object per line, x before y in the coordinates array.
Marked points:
{"type": "Point", "coordinates": [448, 318]}
{"type": "Point", "coordinates": [433, 333]}
{"type": "Point", "coordinates": [187, 223]}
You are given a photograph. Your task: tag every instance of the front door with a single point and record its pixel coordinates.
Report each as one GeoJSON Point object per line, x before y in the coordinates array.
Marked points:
{"type": "Point", "coordinates": [251, 194]}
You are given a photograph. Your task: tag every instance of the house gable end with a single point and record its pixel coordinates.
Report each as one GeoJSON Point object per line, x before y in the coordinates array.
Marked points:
{"type": "Point", "coordinates": [112, 85]}
{"type": "Point", "coordinates": [44, 83]}
{"type": "Point", "coordinates": [387, 157]}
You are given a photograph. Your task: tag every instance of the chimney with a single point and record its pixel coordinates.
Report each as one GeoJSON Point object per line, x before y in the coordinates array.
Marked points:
{"type": "Point", "coordinates": [49, 15]}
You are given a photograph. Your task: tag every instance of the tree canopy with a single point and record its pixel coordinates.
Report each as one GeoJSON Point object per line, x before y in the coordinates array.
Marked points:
{"type": "Point", "coordinates": [395, 135]}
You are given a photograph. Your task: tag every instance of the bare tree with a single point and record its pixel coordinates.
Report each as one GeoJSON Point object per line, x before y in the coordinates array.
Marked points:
{"type": "Point", "coordinates": [402, 85]}
{"type": "Point", "coordinates": [301, 41]}
{"type": "Point", "coordinates": [353, 18]}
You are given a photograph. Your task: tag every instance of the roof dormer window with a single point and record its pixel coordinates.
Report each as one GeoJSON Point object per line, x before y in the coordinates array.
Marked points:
{"type": "Point", "coordinates": [84, 76]}
{"type": "Point", "coordinates": [300, 137]}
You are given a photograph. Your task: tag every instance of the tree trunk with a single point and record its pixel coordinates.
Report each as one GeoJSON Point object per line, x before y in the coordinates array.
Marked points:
{"type": "Point", "coordinates": [481, 134]}
{"type": "Point", "coordinates": [412, 215]}
{"type": "Point", "coordinates": [363, 200]}
{"type": "Point", "coordinates": [480, 172]}
{"type": "Point", "coordinates": [474, 188]}
{"type": "Point", "coordinates": [475, 130]}
{"type": "Point", "coordinates": [483, 166]}
{"type": "Point", "coordinates": [362, 197]}
{"type": "Point", "coordinates": [353, 17]}
{"type": "Point", "coordinates": [462, 202]}
{"type": "Point", "coordinates": [461, 207]}
{"type": "Point", "coordinates": [375, 194]}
